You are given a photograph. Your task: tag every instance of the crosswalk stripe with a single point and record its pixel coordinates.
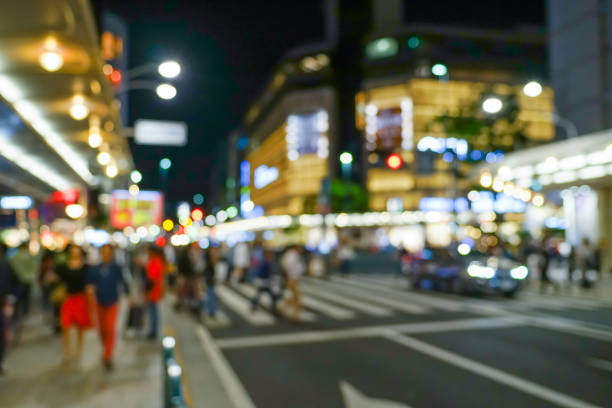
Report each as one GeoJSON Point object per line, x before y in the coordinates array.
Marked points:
{"type": "Point", "coordinates": [425, 300]}
{"type": "Point", "coordinates": [356, 292]}
{"type": "Point", "coordinates": [327, 308]}
{"type": "Point", "coordinates": [567, 302]}
{"type": "Point", "coordinates": [361, 306]}
{"type": "Point", "coordinates": [221, 319]}
{"type": "Point", "coordinates": [242, 307]}
{"type": "Point", "coordinates": [250, 291]}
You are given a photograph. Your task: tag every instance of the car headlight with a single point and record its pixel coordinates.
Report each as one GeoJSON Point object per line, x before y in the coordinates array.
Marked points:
{"type": "Point", "coordinates": [479, 271]}
{"type": "Point", "coordinates": [520, 272]}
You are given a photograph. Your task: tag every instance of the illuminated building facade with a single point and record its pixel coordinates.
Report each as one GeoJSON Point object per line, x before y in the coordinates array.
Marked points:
{"type": "Point", "coordinates": [412, 79]}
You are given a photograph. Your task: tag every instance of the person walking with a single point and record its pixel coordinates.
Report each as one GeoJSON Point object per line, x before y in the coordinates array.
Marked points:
{"type": "Point", "coordinates": [210, 297]}
{"type": "Point", "coordinates": [293, 265]}
{"type": "Point", "coordinates": [345, 255]}
{"type": "Point", "coordinates": [77, 309]}
{"type": "Point", "coordinates": [7, 298]}
{"type": "Point", "coordinates": [26, 266]}
{"type": "Point", "coordinates": [104, 282]}
{"type": "Point", "coordinates": [154, 288]}
{"type": "Point", "coordinates": [263, 281]}
{"type": "Point", "coordinates": [242, 261]}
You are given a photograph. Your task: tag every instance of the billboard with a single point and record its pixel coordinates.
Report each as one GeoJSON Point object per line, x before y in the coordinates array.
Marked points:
{"type": "Point", "coordinates": [157, 132]}
{"type": "Point", "coordinates": [143, 209]}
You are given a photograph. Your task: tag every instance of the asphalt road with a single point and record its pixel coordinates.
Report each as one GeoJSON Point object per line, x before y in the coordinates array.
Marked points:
{"type": "Point", "coordinates": [368, 342]}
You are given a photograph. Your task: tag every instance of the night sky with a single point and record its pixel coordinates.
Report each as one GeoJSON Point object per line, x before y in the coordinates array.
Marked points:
{"type": "Point", "coordinates": [227, 49]}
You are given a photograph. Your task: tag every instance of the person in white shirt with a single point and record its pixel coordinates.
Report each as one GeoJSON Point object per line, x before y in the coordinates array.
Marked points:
{"type": "Point", "coordinates": [294, 268]}
{"type": "Point", "coordinates": [242, 261]}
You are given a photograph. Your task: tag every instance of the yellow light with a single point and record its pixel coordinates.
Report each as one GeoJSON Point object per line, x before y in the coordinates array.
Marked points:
{"type": "Point", "coordinates": [498, 185]}
{"type": "Point", "coordinates": [168, 224]}
{"type": "Point", "coordinates": [538, 200]}
{"type": "Point", "coordinates": [95, 140]}
{"type": "Point", "coordinates": [75, 211]}
{"type": "Point", "coordinates": [185, 221]}
{"type": "Point", "coordinates": [103, 158]}
{"type": "Point", "coordinates": [78, 109]}
{"type": "Point", "coordinates": [134, 190]}
{"type": "Point", "coordinates": [486, 180]}
{"type": "Point", "coordinates": [526, 195]}
{"type": "Point", "coordinates": [111, 171]}
{"type": "Point", "coordinates": [107, 69]}
{"type": "Point", "coordinates": [51, 61]}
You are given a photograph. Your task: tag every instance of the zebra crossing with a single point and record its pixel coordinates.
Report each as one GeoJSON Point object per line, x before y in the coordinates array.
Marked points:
{"type": "Point", "coordinates": [349, 299]}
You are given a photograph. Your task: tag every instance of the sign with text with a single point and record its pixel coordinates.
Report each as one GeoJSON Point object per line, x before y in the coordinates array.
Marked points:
{"type": "Point", "coordinates": [157, 132]}
{"type": "Point", "coordinates": [142, 209]}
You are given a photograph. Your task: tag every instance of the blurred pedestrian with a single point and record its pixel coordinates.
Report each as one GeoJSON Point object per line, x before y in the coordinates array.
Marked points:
{"type": "Point", "coordinates": [262, 280]}
{"type": "Point", "coordinates": [48, 281]}
{"type": "Point", "coordinates": [154, 288]}
{"type": "Point", "coordinates": [25, 265]}
{"type": "Point", "coordinates": [293, 265]}
{"type": "Point", "coordinates": [7, 298]}
{"type": "Point", "coordinates": [77, 310]}
{"type": "Point", "coordinates": [345, 254]}
{"type": "Point", "coordinates": [585, 263]}
{"type": "Point", "coordinates": [241, 262]}
{"type": "Point", "coordinates": [185, 280]}
{"type": "Point", "coordinates": [210, 272]}
{"type": "Point", "coordinates": [104, 281]}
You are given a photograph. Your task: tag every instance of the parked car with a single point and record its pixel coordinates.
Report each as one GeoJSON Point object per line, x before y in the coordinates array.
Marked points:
{"type": "Point", "coordinates": [444, 269]}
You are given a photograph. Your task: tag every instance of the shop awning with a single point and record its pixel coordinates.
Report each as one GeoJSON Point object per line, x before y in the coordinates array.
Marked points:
{"type": "Point", "coordinates": [51, 77]}
{"type": "Point", "coordinates": [582, 160]}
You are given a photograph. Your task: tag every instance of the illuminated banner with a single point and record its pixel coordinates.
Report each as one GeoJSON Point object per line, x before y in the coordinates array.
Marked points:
{"type": "Point", "coordinates": [306, 134]}
{"type": "Point", "coordinates": [389, 129]}
{"type": "Point", "coordinates": [157, 132]}
{"type": "Point", "coordinates": [15, 202]}
{"type": "Point", "coordinates": [145, 208]}
{"type": "Point", "coordinates": [264, 175]}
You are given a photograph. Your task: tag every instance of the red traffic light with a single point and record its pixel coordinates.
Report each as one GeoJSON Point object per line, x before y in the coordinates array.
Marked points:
{"type": "Point", "coordinates": [197, 214]}
{"type": "Point", "coordinates": [394, 161]}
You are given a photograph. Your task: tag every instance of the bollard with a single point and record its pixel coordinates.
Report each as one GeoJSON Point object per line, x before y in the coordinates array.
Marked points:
{"type": "Point", "coordinates": [173, 394]}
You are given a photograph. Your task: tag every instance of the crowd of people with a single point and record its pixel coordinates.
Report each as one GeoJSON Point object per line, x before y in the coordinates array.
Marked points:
{"type": "Point", "coordinates": [80, 290]}
{"type": "Point", "coordinates": [273, 273]}
{"type": "Point", "coordinates": [561, 266]}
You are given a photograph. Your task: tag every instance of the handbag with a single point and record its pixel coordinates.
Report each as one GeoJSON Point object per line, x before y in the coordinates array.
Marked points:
{"type": "Point", "coordinates": [58, 294]}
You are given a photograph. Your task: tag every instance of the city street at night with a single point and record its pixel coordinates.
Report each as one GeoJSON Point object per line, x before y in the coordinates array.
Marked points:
{"type": "Point", "coordinates": [414, 349]}
{"type": "Point", "coordinates": [305, 204]}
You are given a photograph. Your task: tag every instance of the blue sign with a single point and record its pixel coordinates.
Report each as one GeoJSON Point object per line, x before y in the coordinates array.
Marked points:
{"type": "Point", "coordinates": [264, 175]}
{"type": "Point", "coordinates": [245, 173]}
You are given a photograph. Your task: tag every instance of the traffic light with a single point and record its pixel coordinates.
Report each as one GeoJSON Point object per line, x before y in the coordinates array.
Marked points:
{"type": "Point", "coordinates": [394, 161]}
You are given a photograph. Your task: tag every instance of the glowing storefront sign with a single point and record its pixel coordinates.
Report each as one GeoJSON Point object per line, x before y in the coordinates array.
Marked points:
{"type": "Point", "coordinates": [307, 134]}
{"type": "Point", "coordinates": [245, 173]}
{"type": "Point", "coordinates": [264, 175]}
{"type": "Point", "coordinates": [15, 202]}
{"type": "Point", "coordinates": [436, 204]}
{"type": "Point", "coordinates": [144, 209]}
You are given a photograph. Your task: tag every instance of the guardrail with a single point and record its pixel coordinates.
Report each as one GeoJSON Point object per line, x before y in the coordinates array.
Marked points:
{"type": "Point", "coordinates": [173, 392]}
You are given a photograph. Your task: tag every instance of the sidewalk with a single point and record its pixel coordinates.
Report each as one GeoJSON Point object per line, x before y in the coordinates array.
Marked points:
{"type": "Point", "coordinates": [201, 384]}
{"type": "Point", "coordinates": [37, 379]}
{"type": "Point", "coordinates": [601, 291]}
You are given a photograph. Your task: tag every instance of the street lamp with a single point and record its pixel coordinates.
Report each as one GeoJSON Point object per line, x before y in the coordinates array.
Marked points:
{"type": "Point", "coordinates": [169, 69]}
{"type": "Point", "coordinates": [532, 89]}
{"type": "Point", "coordinates": [165, 91]}
{"type": "Point", "coordinates": [492, 105]}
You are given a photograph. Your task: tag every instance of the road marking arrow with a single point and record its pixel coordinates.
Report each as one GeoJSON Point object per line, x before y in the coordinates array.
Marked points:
{"type": "Point", "coordinates": [353, 398]}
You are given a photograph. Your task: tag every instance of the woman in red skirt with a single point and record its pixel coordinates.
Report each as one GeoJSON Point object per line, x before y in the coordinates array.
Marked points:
{"type": "Point", "coordinates": [77, 310]}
